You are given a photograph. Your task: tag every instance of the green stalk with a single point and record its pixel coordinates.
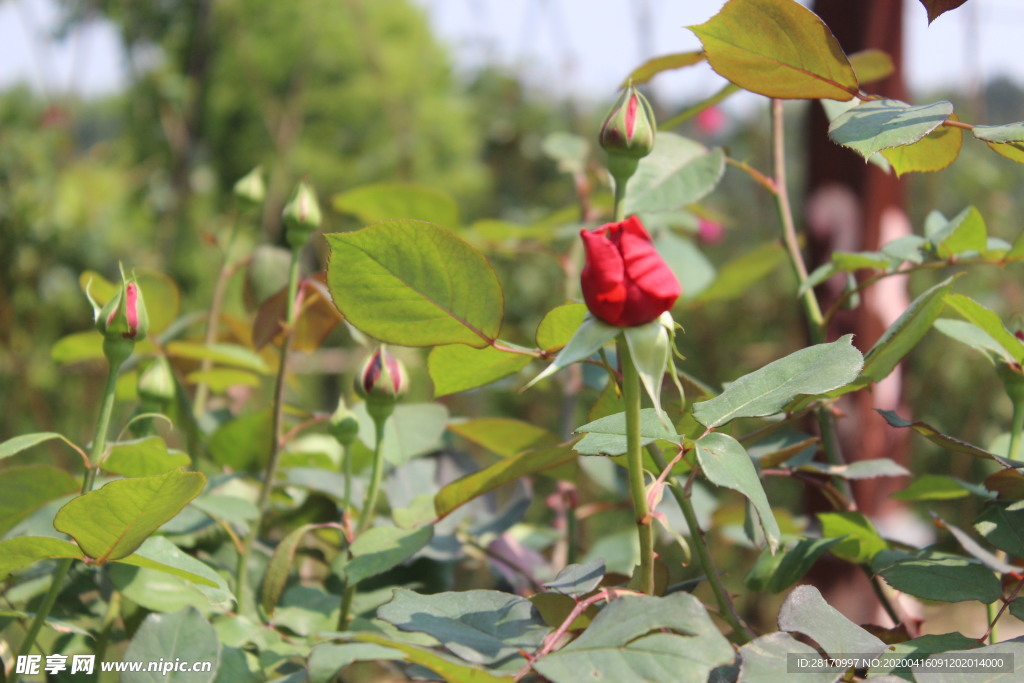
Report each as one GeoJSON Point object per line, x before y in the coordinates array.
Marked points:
{"type": "Point", "coordinates": [634, 461]}
{"type": "Point", "coordinates": [99, 445]}
{"type": "Point", "coordinates": [247, 604]}
{"type": "Point", "coordinates": [726, 609]}
{"type": "Point", "coordinates": [812, 311]}
{"type": "Point", "coordinates": [376, 476]}
{"type": "Point", "coordinates": [366, 516]}
{"type": "Point", "coordinates": [1015, 430]}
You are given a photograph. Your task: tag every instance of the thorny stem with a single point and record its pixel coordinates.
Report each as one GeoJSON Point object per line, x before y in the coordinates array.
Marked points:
{"type": "Point", "coordinates": [988, 635]}
{"type": "Point", "coordinates": [99, 446]}
{"type": "Point", "coordinates": [725, 606]}
{"type": "Point", "coordinates": [553, 638]}
{"type": "Point", "coordinates": [246, 602]}
{"type": "Point", "coordinates": [635, 464]}
{"type": "Point", "coordinates": [812, 311]}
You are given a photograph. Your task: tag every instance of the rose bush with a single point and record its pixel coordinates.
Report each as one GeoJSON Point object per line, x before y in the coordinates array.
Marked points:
{"type": "Point", "coordinates": [625, 282]}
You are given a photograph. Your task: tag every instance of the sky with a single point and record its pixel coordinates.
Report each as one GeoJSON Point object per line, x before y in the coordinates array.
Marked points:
{"type": "Point", "coordinates": [581, 47]}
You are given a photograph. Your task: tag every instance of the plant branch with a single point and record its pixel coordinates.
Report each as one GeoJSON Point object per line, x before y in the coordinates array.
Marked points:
{"type": "Point", "coordinates": [634, 461]}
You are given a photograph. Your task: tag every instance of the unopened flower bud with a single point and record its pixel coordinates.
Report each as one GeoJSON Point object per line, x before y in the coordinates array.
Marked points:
{"type": "Point", "coordinates": [122, 321]}
{"type": "Point", "coordinates": [251, 188]}
{"type": "Point", "coordinates": [156, 383]}
{"type": "Point", "coordinates": [381, 381]}
{"type": "Point", "coordinates": [343, 425]}
{"type": "Point", "coordinates": [301, 216]}
{"type": "Point", "coordinates": [629, 129]}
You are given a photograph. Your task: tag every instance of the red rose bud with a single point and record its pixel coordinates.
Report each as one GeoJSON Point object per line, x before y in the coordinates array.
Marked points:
{"type": "Point", "coordinates": [301, 216]}
{"type": "Point", "coordinates": [710, 232]}
{"type": "Point", "coordinates": [625, 282]}
{"type": "Point", "coordinates": [381, 381]}
{"type": "Point", "coordinates": [629, 129]}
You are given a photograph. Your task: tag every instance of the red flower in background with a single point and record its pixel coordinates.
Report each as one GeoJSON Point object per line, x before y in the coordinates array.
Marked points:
{"type": "Point", "coordinates": [625, 282]}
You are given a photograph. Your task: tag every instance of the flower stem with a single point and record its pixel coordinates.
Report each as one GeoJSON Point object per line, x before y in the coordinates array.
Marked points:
{"type": "Point", "coordinates": [634, 461]}
{"type": "Point", "coordinates": [376, 476]}
{"type": "Point", "coordinates": [99, 445]}
{"type": "Point", "coordinates": [700, 545]}
{"type": "Point", "coordinates": [812, 311]}
{"type": "Point", "coordinates": [247, 604]}
{"type": "Point", "coordinates": [1016, 428]}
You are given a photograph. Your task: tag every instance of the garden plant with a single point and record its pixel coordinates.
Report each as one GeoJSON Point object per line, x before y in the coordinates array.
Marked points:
{"type": "Point", "coordinates": [475, 504]}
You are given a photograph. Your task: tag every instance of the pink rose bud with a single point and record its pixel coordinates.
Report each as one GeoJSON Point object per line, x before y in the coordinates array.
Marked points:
{"type": "Point", "coordinates": [630, 128]}
{"type": "Point", "coordinates": [381, 381]}
{"type": "Point", "coordinates": [709, 231]}
{"type": "Point", "coordinates": [124, 316]}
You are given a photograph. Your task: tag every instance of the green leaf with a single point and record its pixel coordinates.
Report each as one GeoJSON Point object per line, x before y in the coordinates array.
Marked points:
{"type": "Point", "coordinates": [989, 322]}
{"type": "Point", "coordinates": [159, 554]}
{"type": "Point", "coordinates": [871, 65]}
{"type": "Point", "coordinates": [24, 490]}
{"type": "Point", "coordinates": [607, 436]}
{"type": "Point", "coordinates": [965, 232]}
{"type": "Point", "coordinates": [810, 371]}
{"type": "Point", "coordinates": [457, 367]}
{"type": "Point", "coordinates": [806, 612]}
{"type": "Point", "coordinates": [184, 635]}
{"type": "Point", "coordinates": [559, 325]}
{"type": "Point", "coordinates": [1014, 151]}
{"type": "Point", "coordinates": [447, 667]}
{"type": "Point", "coordinates": [726, 463]}
{"type": "Point", "coordinates": [875, 125]}
{"type": "Point", "coordinates": [471, 486]}
{"type": "Point", "coordinates": [777, 49]}
{"type": "Point", "coordinates": [577, 580]}
{"type": "Point", "coordinates": [412, 430]}
{"type": "Point", "coordinates": [861, 469]}
{"type": "Point", "coordinates": [480, 626]}
{"type": "Point", "coordinates": [944, 440]}
{"type": "Point", "coordinates": [654, 66]}
{"type": "Point", "coordinates": [933, 152]}
{"type": "Point", "coordinates": [26, 441]}
{"type": "Point", "coordinates": [414, 283]}
{"type": "Point", "coordinates": [390, 201]}
{"type": "Point", "coordinates": [678, 172]}
{"type": "Point", "coordinates": [77, 347]}
{"type": "Point", "coordinates": [242, 443]}
{"type": "Point", "coordinates": [1003, 527]}
{"type": "Point", "coordinates": [112, 522]}
{"type": "Point", "coordinates": [849, 262]}
{"type": "Point", "coordinates": [1007, 132]}
{"type": "Point", "coordinates": [22, 551]}
{"type": "Point", "coordinates": [623, 643]}
{"type": "Point", "coordinates": [280, 566]}
{"type": "Point", "coordinates": [766, 660]}
{"type": "Point", "coordinates": [223, 354]}
{"type": "Point", "coordinates": [904, 334]}
{"type": "Point", "coordinates": [650, 349]}
{"type": "Point", "coordinates": [860, 541]}
{"type": "Point", "coordinates": [221, 379]}
{"type": "Point", "coordinates": [776, 573]}
{"type": "Point", "coordinates": [938, 576]}
{"type": "Point", "coordinates": [932, 487]}
{"type": "Point", "coordinates": [143, 458]}
{"type": "Point", "coordinates": [503, 436]}
{"type": "Point", "coordinates": [570, 151]}
{"type": "Point", "coordinates": [920, 648]}
{"type": "Point", "coordinates": [738, 275]}
{"type": "Point", "coordinates": [381, 548]}
{"type": "Point", "coordinates": [975, 337]}
{"type": "Point", "coordinates": [326, 660]}
{"type": "Point", "coordinates": [590, 336]}
{"type": "Point", "coordinates": [975, 550]}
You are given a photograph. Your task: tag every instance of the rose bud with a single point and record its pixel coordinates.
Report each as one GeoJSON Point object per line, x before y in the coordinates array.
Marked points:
{"type": "Point", "coordinates": [625, 282]}
{"type": "Point", "coordinates": [343, 425]}
{"type": "Point", "coordinates": [709, 231]}
{"type": "Point", "coordinates": [251, 188]}
{"type": "Point", "coordinates": [301, 216]}
{"type": "Point", "coordinates": [124, 316]}
{"type": "Point", "coordinates": [629, 129]}
{"type": "Point", "coordinates": [381, 381]}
